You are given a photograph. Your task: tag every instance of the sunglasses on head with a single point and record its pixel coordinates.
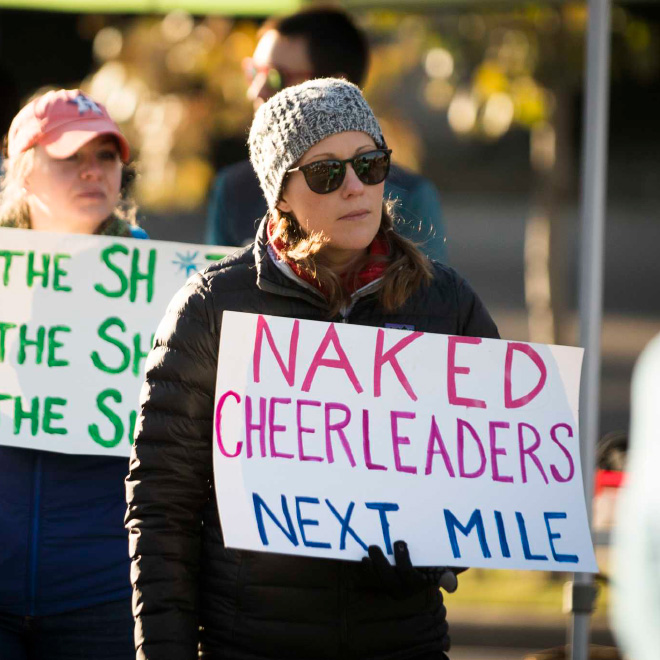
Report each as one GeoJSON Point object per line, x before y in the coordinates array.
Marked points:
{"type": "Point", "coordinates": [276, 78]}
{"type": "Point", "coordinates": [326, 176]}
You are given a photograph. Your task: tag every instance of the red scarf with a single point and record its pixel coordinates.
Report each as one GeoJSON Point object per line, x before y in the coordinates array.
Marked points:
{"type": "Point", "coordinates": [371, 271]}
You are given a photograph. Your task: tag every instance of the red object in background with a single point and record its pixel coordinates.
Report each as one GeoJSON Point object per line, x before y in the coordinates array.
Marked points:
{"type": "Point", "coordinates": [608, 479]}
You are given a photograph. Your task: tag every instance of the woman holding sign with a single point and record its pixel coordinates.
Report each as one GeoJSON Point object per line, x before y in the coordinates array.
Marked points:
{"type": "Point", "coordinates": [327, 250]}
{"type": "Point", "coordinates": [64, 572]}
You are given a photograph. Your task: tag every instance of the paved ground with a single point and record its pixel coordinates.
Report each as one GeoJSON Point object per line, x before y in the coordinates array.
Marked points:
{"type": "Point", "coordinates": [504, 630]}
{"type": "Point", "coordinates": [487, 653]}
{"type": "Point", "coordinates": [481, 633]}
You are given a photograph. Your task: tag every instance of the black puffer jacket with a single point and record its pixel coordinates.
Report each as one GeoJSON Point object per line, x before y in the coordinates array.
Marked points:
{"type": "Point", "coordinates": [239, 605]}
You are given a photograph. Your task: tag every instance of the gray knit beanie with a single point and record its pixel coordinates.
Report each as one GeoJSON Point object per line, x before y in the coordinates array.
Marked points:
{"type": "Point", "coordinates": [296, 118]}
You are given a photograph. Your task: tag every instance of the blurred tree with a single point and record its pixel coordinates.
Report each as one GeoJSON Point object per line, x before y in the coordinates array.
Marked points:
{"type": "Point", "coordinates": [491, 72]}
{"type": "Point", "coordinates": [175, 83]}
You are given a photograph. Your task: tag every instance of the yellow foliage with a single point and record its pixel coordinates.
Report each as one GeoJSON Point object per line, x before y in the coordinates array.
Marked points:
{"type": "Point", "coordinates": [490, 79]}
{"type": "Point", "coordinates": [530, 102]}
{"type": "Point", "coordinates": [193, 178]}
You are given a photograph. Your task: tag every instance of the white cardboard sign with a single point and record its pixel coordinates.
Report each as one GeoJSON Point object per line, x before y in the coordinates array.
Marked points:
{"type": "Point", "coordinates": [331, 437]}
{"type": "Point", "coordinates": [77, 316]}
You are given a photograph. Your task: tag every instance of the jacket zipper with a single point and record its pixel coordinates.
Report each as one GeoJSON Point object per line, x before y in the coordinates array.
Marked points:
{"type": "Point", "coordinates": [344, 648]}
{"type": "Point", "coordinates": [360, 293]}
{"type": "Point", "coordinates": [33, 545]}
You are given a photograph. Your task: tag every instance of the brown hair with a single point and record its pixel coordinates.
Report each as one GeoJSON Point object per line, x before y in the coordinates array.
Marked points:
{"type": "Point", "coordinates": [407, 269]}
{"type": "Point", "coordinates": [336, 46]}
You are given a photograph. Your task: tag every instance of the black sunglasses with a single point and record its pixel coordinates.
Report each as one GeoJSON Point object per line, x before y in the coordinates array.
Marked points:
{"type": "Point", "coordinates": [325, 176]}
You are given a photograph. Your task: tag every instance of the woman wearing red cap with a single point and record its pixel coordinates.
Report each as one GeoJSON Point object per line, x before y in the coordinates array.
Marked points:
{"type": "Point", "coordinates": [64, 571]}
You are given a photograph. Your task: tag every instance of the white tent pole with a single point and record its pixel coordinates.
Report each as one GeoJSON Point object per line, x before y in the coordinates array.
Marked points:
{"type": "Point", "coordinates": [593, 201]}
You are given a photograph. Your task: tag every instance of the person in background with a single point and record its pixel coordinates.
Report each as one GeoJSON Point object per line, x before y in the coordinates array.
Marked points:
{"type": "Point", "coordinates": [635, 611]}
{"type": "Point", "coordinates": [64, 570]}
{"type": "Point", "coordinates": [314, 43]}
{"type": "Point", "coordinates": [10, 99]}
{"type": "Point", "coordinates": [326, 250]}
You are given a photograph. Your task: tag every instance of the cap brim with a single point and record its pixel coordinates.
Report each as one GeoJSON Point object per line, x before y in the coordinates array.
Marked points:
{"type": "Point", "coordinates": [66, 140]}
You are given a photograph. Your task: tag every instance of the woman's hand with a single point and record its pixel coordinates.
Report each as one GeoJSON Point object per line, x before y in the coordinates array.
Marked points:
{"type": "Point", "coordinates": [399, 581]}
{"type": "Point", "coordinates": [403, 579]}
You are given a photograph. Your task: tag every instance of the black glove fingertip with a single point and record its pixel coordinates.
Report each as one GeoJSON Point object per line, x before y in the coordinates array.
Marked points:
{"type": "Point", "coordinates": [402, 556]}
{"type": "Point", "coordinates": [374, 550]}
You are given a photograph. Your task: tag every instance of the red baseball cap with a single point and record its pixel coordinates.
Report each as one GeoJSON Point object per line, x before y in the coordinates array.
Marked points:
{"type": "Point", "coordinates": [62, 121]}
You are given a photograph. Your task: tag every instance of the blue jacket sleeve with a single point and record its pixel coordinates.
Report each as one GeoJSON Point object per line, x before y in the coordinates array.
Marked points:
{"type": "Point", "coordinates": [423, 203]}
{"type": "Point", "coordinates": [216, 210]}
{"type": "Point", "coordinates": [138, 232]}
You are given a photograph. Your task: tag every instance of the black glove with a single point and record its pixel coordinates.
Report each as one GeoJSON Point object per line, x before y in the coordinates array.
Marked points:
{"type": "Point", "coordinates": [399, 581]}
{"type": "Point", "coordinates": [403, 580]}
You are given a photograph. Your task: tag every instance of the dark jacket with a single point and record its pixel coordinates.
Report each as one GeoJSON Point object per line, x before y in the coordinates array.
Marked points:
{"type": "Point", "coordinates": [62, 539]}
{"type": "Point", "coordinates": [251, 605]}
{"type": "Point", "coordinates": [236, 204]}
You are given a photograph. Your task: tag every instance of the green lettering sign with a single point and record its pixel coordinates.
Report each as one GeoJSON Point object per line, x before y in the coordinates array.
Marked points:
{"type": "Point", "coordinates": [132, 418]}
{"type": "Point", "coordinates": [8, 255]}
{"type": "Point", "coordinates": [59, 272]}
{"type": "Point", "coordinates": [3, 333]}
{"type": "Point", "coordinates": [20, 415]}
{"type": "Point", "coordinates": [50, 415]}
{"type": "Point", "coordinates": [136, 275]}
{"type": "Point", "coordinates": [115, 420]}
{"type": "Point", "coordinates": [53, 345]}
{"type": "Point", "coordinates": [106, 256]}
{"type": "Point", "coordinates": [25, 343]}
{"type": "Point", "coordinates": [138, 353]}
{"type": "Point", "coordinates": [113, 321]}
{"type": "Point", "coordinates": [32, 272]}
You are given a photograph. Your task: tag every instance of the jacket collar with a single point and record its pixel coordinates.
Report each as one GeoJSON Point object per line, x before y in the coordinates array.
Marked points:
{"type": "Point", "coordinates": [276, 276]}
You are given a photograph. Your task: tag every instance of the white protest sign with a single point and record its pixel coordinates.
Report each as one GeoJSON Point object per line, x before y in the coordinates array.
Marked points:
{"type": "Point", "coordinates": [77, 316]}
{"type": "Point", "coordinates": [333, 437]}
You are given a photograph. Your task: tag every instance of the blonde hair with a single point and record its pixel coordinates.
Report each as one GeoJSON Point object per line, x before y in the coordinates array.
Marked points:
{"type": "Point", "coordinates": [14, 211]}
{"type": "Point", "coordinates": [407, 267]}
